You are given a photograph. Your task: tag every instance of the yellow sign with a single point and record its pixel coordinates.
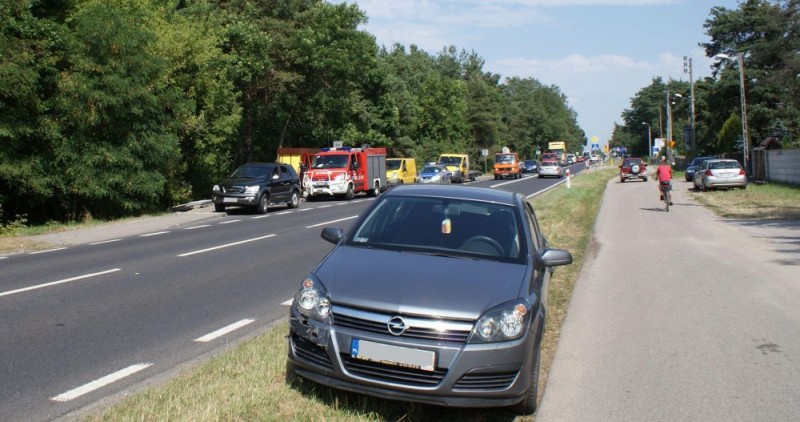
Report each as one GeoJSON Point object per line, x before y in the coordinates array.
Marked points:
{"type": "Point", "coordinates": [671, 144]}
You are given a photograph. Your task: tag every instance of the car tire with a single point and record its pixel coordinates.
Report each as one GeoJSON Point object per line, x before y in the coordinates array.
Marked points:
{"type": "Point", "coordinates": [263, 204]}
{"type": "Point", "coordinates": [644, 178]}
{"type": "Point", "coordinates": [294, 200]}
{"type": "Point", "coordinates": [348, 195]}
{"type": "Point", "coordinates": [622, 180]}
{"type": "Point", "coordinates": [528, 405]}
{"type": "Point", "coordinates": [219, 207]}
{"type": "Point", "coordinates": [375, 191]}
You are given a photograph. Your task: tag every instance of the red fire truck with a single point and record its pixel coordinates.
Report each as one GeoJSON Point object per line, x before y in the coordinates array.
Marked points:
{"type": "Point", "coordinates": [343, 172]}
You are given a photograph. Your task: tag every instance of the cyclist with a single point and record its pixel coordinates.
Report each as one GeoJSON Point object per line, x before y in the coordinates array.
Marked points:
{"type": "Point", "coordinates": [664, 177]}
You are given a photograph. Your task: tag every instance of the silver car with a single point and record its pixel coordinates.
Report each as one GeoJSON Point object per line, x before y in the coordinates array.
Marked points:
{"type": "Point", "coordinates": [719, 173]}
{"type": "Point", "coordinates": [437, 295]}
{"type": "Point", "coordinates": [550, 169]}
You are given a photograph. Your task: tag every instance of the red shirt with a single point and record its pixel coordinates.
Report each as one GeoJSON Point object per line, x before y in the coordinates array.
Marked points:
{"type": "Point", "coordinates": [664, 173]}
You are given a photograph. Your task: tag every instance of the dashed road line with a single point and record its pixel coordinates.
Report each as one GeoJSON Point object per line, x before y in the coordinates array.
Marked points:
{"type": "Point", "coordinates": [153, 234]}
{"type": "Point", "coordinates": [225, 245]}
{"type": "Point", "coordinates": [46, 251]}
{"type": "Point", "coordinates": [331, 222]}
{"type": "Point", "coordinates": [288, 302]}
{"type": "Point", "coordinates": [105, 241]}
{"type": "Point", "coordinates": [54, 283]}
{"type": "Point", "coordinates": [197, 227]}
{"type": "Point", "coordinates": [101, 382]}
{"type": "Point", "coordinates": [229, 222]}
{"type": "Point", "coordinates": [224, 330]}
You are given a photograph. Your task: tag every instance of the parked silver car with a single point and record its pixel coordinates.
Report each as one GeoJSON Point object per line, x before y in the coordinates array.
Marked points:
{"type": "Point", "coordinates": [719, 173]}
{"type": "Point", "coordinates": [437, 295]}
{"type": "Point", "coordinates": [550, 169]}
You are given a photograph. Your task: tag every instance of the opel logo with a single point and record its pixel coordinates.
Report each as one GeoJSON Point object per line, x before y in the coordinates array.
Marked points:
{"type": "Point", "coordinates": [397, 326]}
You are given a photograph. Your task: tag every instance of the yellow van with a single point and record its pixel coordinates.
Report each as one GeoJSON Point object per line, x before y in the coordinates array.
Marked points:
{"type": "Point", "coordinates": [400, 170]}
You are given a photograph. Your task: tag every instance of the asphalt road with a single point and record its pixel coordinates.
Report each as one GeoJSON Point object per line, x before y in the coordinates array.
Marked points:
{"type": "Point", "coordinates": [680, 316]}
{"type": "Point", "coordinates": [119, 306]}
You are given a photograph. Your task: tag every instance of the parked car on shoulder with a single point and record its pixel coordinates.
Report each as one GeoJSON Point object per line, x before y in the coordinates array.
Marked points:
{"type": "Point", "coordinates": [550, 168]}
{"type": "Point", "coordinates": [530, 166]}
{"type": "Point", "coordinates": [632, 168]}
{"type": "Point", "coordinates": [258, 186]}
{"type": "Point", "coordinates": [434, 173]}
{"type": "Point", "coordinates": [692, 167]}
{"type": "Point", "coordinates": [719, 173]}
{"type": "Point", "coordinates": [448, 304]}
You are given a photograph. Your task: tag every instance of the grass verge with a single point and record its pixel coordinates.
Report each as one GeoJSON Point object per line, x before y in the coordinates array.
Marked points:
{"type": "Point", "coordinates": [248, 382]}
{"type": "Point", "coordinates": [774, 201]}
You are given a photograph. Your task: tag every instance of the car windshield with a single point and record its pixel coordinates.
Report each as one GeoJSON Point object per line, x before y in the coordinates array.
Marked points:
{"type": "Point", "coordinates": [450, 161]}
{"type": "Point", "coordinates": [504, 158]}
{"type": "Point", "coordinates": [432, 169]}
{"type": "Point", "coordinates": [450, 227]}
{"type": "Point", "coordinates": [251, 171]}
{"type": "Point", "coordinates": [530, 163]}
{"type": "Point", "coordinates": [720, 165]}
{"type": "Point", "coordinates": [629, 163]}
{"type": "Point", "coordinates": [698, 160]}
{"type": "Point", "coordinates": [329, 161]}
{"type": "Point", "coordinates": [392, 164]}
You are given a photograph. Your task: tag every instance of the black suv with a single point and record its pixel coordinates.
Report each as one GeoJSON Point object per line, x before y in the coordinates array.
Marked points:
{"type": "Point", "coordinates": [258, 185]}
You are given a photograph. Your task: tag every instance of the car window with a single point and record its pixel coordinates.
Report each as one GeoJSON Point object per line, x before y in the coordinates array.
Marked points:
{"type": "Point", "coordinates": [719, 165]}
{"type": "Point", "coordinates": [434, 225]}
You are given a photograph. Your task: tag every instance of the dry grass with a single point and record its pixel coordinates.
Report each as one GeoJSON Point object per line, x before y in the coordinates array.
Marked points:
{"type": "Point", "coordinates": [762, 201]}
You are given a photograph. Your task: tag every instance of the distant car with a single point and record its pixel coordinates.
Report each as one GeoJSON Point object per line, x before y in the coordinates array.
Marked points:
{"type": "Point", "coordinates": [530, 166]}
{"type": "Point", "coordinates": [632, 168]}
{"type": "Point", "coordinates": [447, 305]}
{"type": "Point", "coordinates": [719, 173]}
{"type": "Point", "coordinates": [258, 186]}
{"type": "Point", "coordinates": [434, 173]}
{"type": "Point", "coordinates": [571, 159]}
{"type": "Point", "coordinates": [692, 167]}
{"type": "Point", "coordinates": [550, 169]}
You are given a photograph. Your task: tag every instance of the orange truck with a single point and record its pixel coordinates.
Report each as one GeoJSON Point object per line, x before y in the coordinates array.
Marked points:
{"type": "Point", "coordinates": [344, 172]}
{"type": "Point", "coordinates": [507, 164]}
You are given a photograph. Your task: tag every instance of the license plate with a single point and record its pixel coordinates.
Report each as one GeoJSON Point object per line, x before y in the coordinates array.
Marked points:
{"type": "Point", "coordinates": [392, 355]}
{"type": "Point", "coordinates": [322, 184]}
{"type": "Point", "coordinates": [228, 199]}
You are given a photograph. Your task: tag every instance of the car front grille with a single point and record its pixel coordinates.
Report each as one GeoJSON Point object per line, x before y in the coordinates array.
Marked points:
{"type": "Point", "coordinates": [417, 328]}
{"type": "Point", "coordinates": [233, 189]}
{"type": "Point", "coordinates": [311, 352]}
{"type": "Point", "coordinates": [488, 381]}
{"type": "Point", "coordinates": [391, 373]}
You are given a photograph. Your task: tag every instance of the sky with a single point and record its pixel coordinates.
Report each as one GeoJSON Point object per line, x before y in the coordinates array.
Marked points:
{"type": "Point", "coordinates": [599, 53]}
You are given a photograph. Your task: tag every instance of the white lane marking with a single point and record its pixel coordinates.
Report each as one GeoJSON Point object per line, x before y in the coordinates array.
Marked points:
{"type": "Point", "coordinates": [152, 234]}
{"type": "Point", "coordinates": [288, 302]}
{"type": "Point", "coordinates": [49, 250]}
{"type": "Point", "coordinates": [305, 209]}
{"type": "Point", "coordinates": [331, 222]}
{"type": "Point", "coordinates": [53, 283]}
{"type": "Point", "coordinates": [342, 203]}
{"type": "Point", "coordinates": [505, 183]}
{"type": "Point", "coordinates": [357, 201]}
{"type": "Point", "coordinates": [102, 382]}
{"type": "Point", "coordinates": [261, 216]}
{"type": "Point", "coordinates": [3, 257]}
{"type": "Point", "coordinates": [553, 186]}
{"type": "Point", "coordinates": [226, 245]}
{"type": "Point", "coordinates": [224, 330]}
{"type": "Point", "coordinates": [230, 221]}
{"type": "Point", "coordinates": [284, 212]}
{"type": "Point", "coordinates": [324, 206]}
{"type": "Point", "coordinates": [105, 241]}
{"type": "Point", "coordinates": [197, 227]}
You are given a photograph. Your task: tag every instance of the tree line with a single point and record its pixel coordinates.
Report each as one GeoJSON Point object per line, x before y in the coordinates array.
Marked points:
{"type": "Point", "coordinates": [110, 108]}
{"type": "Point", "coordinates": [767, 35]}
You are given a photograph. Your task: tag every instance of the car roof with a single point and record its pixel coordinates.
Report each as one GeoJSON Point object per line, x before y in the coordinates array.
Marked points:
{"type": "Point", "coordinates": [454, 192]}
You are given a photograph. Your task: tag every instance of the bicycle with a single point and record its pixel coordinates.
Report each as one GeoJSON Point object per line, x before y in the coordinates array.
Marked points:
{"type": "Point", "coordinates": [666, 187]}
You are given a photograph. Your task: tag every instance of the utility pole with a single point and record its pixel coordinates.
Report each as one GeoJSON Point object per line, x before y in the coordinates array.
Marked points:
{"type": "Point", "coordinates": [687, 68]}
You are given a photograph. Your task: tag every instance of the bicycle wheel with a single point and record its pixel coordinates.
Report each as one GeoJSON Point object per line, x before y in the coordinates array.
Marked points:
{"type": "Point", "coordinates": [667, 200]}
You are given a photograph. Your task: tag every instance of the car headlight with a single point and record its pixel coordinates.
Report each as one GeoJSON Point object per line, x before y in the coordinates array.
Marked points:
{"type": "Point", "coordinates": [393, 176]}
{"type": "Point", "coordinates": [216, 189]}
{"type": "Point", "coordinates": [435, 178]}
{"type": "Point", "coordinates": [508, 321]}
{"type": "Point", "coordinates": [339, 177]}
{"type": "Point", "coordinates": [312, 299]}
{"type": "Point", "coordinates": [251, 190]}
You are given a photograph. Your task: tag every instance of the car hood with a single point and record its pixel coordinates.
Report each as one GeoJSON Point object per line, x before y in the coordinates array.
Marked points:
{"type": "Point", "coordinates": [243, 181]}
{"type": "Point", "coordinates": [403, 282]}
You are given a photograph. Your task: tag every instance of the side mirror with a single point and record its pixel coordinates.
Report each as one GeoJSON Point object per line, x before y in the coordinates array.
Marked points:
{"type": "Point", "coordinates": [556, 257]}
{"type": "Point", "coordinates": [332, 234]}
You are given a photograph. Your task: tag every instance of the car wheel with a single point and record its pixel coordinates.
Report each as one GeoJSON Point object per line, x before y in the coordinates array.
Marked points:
{"type": "Point", "coordinates": [349, 194]}
{"type": "Point", "coordinates": [375, 191]}
{"type": "Point", "coordinates": [622, 180]}
{"type": "Point", "coordinates": [219, 208]}
{"type": "Point", "coordinates": [263, 204]}
{"type": "Point", "coordinates": [528, 405]}
{"type": "Point", "coordinates": [644, 178]}
{"type": "Point", "coordinates": [294, 201]}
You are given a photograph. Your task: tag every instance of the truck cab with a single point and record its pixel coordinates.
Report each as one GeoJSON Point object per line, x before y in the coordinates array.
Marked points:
{"type": "Point", "coordinates": [507, 164]}
{"type": "Point", "coordinates": [458, 166]}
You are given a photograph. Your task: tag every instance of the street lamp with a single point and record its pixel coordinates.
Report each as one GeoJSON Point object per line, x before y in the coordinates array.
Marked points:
{"type": "Point", "coordinates": [687, 68]}
{"type": "Point", "coordinates": [745, 142]}
{"type": "Point", "coordinates": [649, 141]}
